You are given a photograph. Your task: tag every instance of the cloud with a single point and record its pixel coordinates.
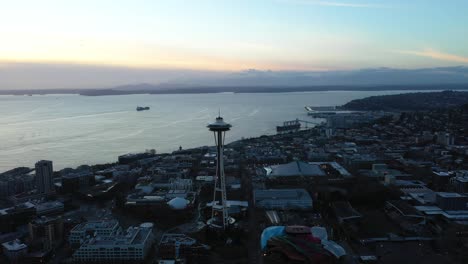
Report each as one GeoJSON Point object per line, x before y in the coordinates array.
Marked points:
{"type": "Point", "coordinates": [335, 4]}
{"type": "Point", "coordinates": [434, 54]}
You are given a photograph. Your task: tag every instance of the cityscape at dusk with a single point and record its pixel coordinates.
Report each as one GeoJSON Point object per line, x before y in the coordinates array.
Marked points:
{"type": "Point", "coordinates": [160, 41]}
{"type": "Point", "coordinates": [233, 131]}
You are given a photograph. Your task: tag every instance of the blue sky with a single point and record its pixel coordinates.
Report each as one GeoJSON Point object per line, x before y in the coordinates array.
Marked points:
{"type": "Point", "coordinates": [222, 35]}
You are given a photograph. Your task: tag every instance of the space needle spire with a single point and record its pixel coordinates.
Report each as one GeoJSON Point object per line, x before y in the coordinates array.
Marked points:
{"type": "Point", "coordinates": [219, 210]}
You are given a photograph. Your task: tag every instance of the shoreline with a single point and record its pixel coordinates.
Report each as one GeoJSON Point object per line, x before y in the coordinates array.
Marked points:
{"type": "Point", "coordinates": [236, 90]}
{"type": "Point", "coordinates": [164, 148]}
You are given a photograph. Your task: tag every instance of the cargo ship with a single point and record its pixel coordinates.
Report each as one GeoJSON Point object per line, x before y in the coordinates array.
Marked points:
{"type": "Point", "coordinates": [142, 108]}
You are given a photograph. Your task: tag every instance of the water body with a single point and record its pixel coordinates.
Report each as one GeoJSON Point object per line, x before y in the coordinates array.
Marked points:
{"type": "Point", "coordinates": [72, 130]}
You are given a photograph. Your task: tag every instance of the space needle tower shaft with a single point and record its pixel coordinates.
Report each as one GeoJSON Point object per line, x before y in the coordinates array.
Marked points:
{"type": "Point", "coordinates": [219, 128]}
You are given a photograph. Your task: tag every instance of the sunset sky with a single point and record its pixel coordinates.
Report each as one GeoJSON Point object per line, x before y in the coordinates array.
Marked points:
{"type": "Point", "coordinates": [222, 35]}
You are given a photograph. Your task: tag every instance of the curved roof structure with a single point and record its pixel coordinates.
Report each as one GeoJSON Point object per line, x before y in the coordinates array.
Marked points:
{"type": "Point", "coordinates": [293, 239]}
{"type": "Point", "coordinates": [178, 203]}
{"type": "Point", "coordinates": [295, 168]}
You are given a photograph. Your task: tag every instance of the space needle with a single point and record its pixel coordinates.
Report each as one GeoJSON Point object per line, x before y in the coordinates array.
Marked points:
{"type": "Point", "coordinates": [219, 213]}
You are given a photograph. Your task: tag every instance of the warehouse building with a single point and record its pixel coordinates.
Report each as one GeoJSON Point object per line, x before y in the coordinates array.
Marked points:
{"type": "Point", "coordinates": [282, 199]}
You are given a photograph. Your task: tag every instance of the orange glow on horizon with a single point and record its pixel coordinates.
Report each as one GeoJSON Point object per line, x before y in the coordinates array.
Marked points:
{"type": "Point", "coordinates": [196, 65]}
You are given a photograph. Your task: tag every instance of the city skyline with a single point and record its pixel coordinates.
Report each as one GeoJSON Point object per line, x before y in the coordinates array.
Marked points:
{"type": "Point", "coordinates": [233, 131]}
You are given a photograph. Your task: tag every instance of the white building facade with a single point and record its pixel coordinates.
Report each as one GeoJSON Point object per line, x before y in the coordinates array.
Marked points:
{"type": "Point", "coordinates": [132, 245]}
{"type": "Point", "coordinates": [91, 229]}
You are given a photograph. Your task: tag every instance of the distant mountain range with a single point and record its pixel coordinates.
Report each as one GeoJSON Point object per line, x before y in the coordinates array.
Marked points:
{"type": "Point", "coordinates": [265, 89]}
{"type": "Point", "coordinates": [366, 77]}
{"type": "Point", "coordinates": [443, 78]}
{"type": "Point", "coordinates": [294, 79]}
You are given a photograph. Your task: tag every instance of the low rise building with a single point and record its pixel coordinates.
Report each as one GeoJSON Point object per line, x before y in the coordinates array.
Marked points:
{"type": "Point", "coordinates": [294, 169]}
{"type": "Point", "coordinates": [405, 215]}
{"type": "Point", "coordinates": [14, 250]}
{"type": "Point", "coordinates": [344, 212]}
{"type": "Point", "coordinates": [333, 169]}
{"type": "Point", "coordinates": [15, 184]}
{"type": "Point", "coordinates": [460, 184]}
{"type": "Point", "coordinates": [17, 215]}
{"type": "Point", "coordinates": [174, 247]}
{"type": "Point", "coordinates": [73, 182]}
{"type": "Point", "coordinates": [49, 208]}
{"type": "Point", "coordinates": [133, 157]}
{"type": "Point", "coordinates": [91, 229]}
{"type": "Point", "coordinates": [132, 245]}
{"type": "Point", "coordinates": [452, 201]}
{"type": "Point", "coordinates": [283, 199]}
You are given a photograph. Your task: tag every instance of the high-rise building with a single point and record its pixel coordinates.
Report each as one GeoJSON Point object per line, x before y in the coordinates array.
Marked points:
{"type": "Point", "coordinates": [46, 232]}
{"type": "Point", "coordinates": [7, 187]}
{"type": "Point", "coordinates": [12, 183]}
{"type": "Point", "coordinates": [44, 174]}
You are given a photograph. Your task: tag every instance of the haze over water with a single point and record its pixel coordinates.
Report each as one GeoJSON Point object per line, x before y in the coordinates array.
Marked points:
{"type": "Point", "coordinates": [72, 130]}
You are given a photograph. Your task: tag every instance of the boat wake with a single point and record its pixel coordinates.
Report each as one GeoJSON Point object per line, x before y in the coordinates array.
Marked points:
{"type": "Point", "coordinates": [63, 118]}
{"type": "Point", "coordinates": [254, 112]}
{"type": "Point", "coordinates": [134, 134]}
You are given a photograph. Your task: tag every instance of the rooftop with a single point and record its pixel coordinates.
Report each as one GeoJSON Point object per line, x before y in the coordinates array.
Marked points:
{"type": "Point", "coordinates": [284, 194]}
{"type": "Point", "coordinates": [404, 208]}
{"type": "Point", "coordinates": [463, 179]}
{"type": "Point", "coordinates": [295, 168]}
{"type": "Point", "coordinates": [344, 210]}
{"type": "Point", "coordinates": [172, 239]}
{"type": "Point", "coordinates": [104, 224]}
{"type": "Point", "coordinates": [343, 172]}
{"type": "Point", "coordinates": [43, 220]}
{"type": "Point", "coordinates": [14, 245]}
{"type": "Point", "coordinates": [26, 205]}
{"type": "Point", "coordinates": [48, 205]}
{"type": "Point", "coordinates": [133, 236]}
{"type": "Point", "coordinates": [77, 175]}
{"type": "Point", "coordinates": [450, 194]}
